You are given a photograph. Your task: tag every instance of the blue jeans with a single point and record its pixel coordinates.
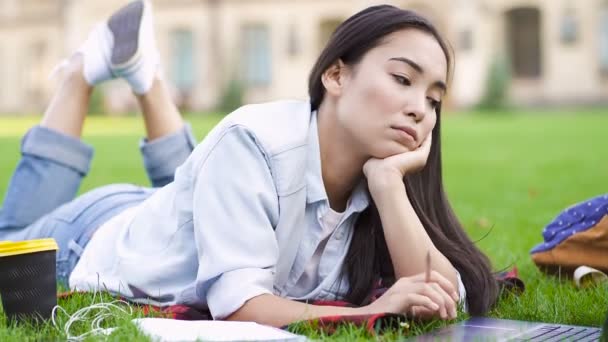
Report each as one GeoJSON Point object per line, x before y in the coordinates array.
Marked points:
{"type": "Point", "coordinates": [41, 198]}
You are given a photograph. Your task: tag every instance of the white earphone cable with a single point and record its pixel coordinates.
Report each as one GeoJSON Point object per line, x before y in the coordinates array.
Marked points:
{"type": "Point", "coordinates": [96, 312]}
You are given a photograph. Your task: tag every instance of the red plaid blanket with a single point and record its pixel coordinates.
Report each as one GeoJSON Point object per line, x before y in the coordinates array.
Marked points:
{"type": "Point", "coordinates": [508, 281]}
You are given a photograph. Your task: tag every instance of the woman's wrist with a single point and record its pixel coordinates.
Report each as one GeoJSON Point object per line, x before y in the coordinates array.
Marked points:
{"type": "Point", "coordinates": [362, 310]}
{"type": "Point", "coordinates": [383, 181]}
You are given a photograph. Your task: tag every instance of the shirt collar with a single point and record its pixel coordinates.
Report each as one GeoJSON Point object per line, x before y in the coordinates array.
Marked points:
{"type": "Point", "coordinates": [315, 189]}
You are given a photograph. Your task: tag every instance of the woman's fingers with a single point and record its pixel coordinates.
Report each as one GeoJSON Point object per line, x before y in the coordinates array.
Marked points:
{"type": "Point", "coordinates": [434, 293]}
{"type": "Point", "coordinates": [447, 306]}
{"type": "Point", "coordinates": [404, 163]}
{"type": "Point", "coordinates": [422, 313]}
{"type": "Point", "coordinates": [449, 303]}
{"type": "Point", "coordinates": [416, 299]}
{"type": "Point", "coordinates": [425, 147]}
{"type": "Point", "coordinates": [441, 291]}
{"type": "Point", "coordinates": [408, 293]}
{"type": "Point", "coordinates": [438, 278]}
{"type": "Point", "coordinates": [412, 161]}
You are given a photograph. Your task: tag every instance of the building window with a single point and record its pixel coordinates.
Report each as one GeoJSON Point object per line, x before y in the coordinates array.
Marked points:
{"type": "Point", "coordinates": [293, 42]}
{"type": "Point", "coordinates": [465, 40]}
{"type": "Point", "coordinates": [568, 30]}
{"type": "Point", "coordinates": [182, 60]}
{"type": "Point", "coordinates": [523, 29]}
{"type": "Point", "coordinates": [603, 36]}
{"type": "Point", "coordinates": [257, 55]}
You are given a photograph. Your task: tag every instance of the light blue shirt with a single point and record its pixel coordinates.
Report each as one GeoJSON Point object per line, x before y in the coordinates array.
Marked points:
{"type": "Point", "coordinates": [241, 219]}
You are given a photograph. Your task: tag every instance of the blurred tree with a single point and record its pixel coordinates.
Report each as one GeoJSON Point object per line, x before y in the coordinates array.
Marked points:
{"type": "Point", "coordinates": [97, 105]}
{"type": "Point", "coordinates": [497, 85]}
{"type": "Point", "coordinates": [232, 96]}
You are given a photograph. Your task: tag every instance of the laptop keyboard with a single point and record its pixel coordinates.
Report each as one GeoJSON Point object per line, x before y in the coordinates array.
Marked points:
{"type": "Point", "coordinates": [553, 333]}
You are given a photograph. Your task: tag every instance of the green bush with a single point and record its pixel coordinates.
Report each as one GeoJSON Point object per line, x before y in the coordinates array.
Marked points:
{"type": "Point", "coordinates": [232, 96]}
{"type": "Point", "coordinates": [97, 102]}
{"type": "Point", "coordinates": [497, 85]}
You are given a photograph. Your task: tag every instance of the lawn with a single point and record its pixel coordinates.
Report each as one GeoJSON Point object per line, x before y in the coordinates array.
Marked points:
{"type": "Point", "coordinates": [510, 171]}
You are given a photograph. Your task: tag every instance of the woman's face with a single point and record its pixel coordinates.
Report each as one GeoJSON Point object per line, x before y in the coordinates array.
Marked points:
{"type": "Point", "coordinates": [388, 101]}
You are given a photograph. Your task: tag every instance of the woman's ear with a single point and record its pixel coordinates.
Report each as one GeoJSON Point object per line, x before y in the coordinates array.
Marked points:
{"type": "Point", "coordinates": [333, 78]}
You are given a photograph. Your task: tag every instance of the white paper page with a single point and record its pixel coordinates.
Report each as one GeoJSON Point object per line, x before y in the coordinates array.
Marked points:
{"type": "Point", "coordinates": [175, 330]}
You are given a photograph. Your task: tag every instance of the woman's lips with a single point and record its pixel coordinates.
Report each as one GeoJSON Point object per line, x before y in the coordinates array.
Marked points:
{"type": "Point", "coordinates": [407, 132]}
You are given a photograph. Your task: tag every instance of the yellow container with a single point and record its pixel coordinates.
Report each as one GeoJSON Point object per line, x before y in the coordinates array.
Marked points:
{"type": "Point", "coordinates": [28, 285]}
{"type": "Point", "coordinates": [10, 248]}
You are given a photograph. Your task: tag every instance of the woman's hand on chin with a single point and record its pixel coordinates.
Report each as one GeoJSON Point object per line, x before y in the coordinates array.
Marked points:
{"type": "Point", "coordinates": [387, 171]}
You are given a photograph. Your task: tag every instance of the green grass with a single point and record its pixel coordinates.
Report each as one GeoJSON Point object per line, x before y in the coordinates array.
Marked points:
{"type": "Point", "coordinates": [513, 172]}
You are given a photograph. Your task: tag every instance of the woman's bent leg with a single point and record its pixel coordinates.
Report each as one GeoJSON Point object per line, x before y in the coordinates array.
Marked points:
{"type": "Point", "coordinates": [161, 116]}
{"type": "Point", "coordinates": [54, 160]}
{"type": "Point", "coordinates": [162, 156]}
{"type": "Point", "coordinates": [169, 140]}
{"type": "Point", "coordinates": [68, 107]}
{"type": "Point", "coordinates": [48, 175]}
{"type": "Point", "coordinates": [73, 224]}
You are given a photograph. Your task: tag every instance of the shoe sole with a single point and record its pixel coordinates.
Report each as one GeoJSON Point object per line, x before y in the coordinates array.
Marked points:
{"type": "Point", "coordinates": [124, 25]}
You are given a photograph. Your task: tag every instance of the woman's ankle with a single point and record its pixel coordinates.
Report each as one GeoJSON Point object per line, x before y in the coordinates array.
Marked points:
{"type": "Point", "coordinates": [73, 75]}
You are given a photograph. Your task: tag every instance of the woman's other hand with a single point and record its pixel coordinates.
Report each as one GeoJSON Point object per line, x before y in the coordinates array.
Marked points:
{"type": "Point", "coordinates": [414, 296]}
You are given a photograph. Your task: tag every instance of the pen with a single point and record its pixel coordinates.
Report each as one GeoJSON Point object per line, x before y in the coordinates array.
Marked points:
{"type": "Point", "coordinates": [427, 277]}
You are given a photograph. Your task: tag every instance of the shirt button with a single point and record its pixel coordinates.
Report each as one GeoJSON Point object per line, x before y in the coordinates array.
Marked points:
{"type": "Point", "coordinates": [339, 235]}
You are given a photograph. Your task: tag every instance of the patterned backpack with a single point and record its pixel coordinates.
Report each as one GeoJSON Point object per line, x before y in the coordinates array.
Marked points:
{"type": "Point", "coordinates": [576, 237]}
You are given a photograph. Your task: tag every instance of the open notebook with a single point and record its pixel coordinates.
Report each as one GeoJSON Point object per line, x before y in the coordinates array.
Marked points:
{"type": "Point", "coordinates": [175, 330]}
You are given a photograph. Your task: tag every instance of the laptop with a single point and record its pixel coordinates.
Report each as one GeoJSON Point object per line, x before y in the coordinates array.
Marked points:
{"type": "Point", "coordinates": [490, 329]}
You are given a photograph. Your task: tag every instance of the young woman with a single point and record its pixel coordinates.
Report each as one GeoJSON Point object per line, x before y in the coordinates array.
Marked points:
{"type": "Point", "coordinates": [281, 203]}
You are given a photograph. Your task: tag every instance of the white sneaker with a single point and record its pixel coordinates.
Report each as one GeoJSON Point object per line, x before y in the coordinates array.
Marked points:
{"type": "Point", "coordinates": [95, 51]}
{"type": "Point", "coordinates": [134, 55]}
{"type": "Point", "coordinates": [124, 46]}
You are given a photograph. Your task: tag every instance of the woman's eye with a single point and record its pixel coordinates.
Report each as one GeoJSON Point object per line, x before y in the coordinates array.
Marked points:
{"type": "Point", "coordinates": [402, 80]}
{"type": "Point", "coordinates": [434, 103]}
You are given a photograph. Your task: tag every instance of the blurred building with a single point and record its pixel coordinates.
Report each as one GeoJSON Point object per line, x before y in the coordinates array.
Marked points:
{"type": "Point", "coordinates": [556, 50]}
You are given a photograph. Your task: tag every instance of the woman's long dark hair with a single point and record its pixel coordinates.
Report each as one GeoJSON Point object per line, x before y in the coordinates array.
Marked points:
{"type": "Point", "coordinates": [349, 43]}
